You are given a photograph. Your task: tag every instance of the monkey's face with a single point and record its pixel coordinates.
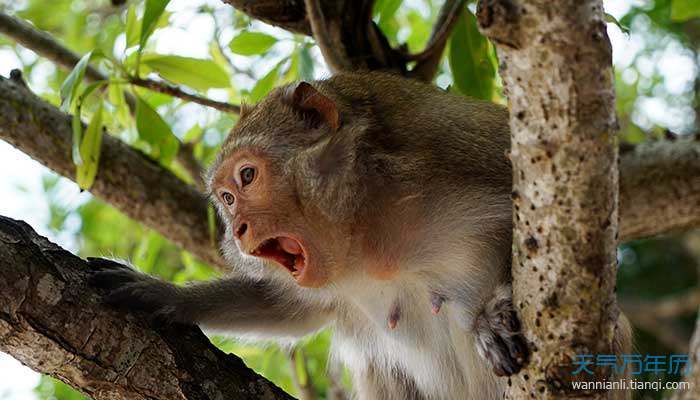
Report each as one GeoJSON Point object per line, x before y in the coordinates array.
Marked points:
{"type": "Point", "coordinates": [266, 219]}
{"type": "Point", "coordinates": [287, 184]}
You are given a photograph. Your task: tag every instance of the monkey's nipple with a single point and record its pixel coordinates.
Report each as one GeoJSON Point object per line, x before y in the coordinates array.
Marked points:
{"type": "Point", "coordinates": [394, 316]}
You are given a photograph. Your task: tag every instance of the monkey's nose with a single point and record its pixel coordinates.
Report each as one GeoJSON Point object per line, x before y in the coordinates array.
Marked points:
{"type": "Point", "coordinates": [242, 228]}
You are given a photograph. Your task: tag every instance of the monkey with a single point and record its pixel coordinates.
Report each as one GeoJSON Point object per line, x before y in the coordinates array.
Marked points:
{"type": "Point", "coordinates": [373, 205]}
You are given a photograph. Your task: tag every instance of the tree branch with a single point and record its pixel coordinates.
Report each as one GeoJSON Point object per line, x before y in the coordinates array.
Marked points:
{"type": "Point", "coordinates": [428, 60]}
{"type": "Point", "coordinates": [328, 39]}
{"type": "Point", "coordinates": [659, 188]}
{"type": "Point", "coordinates": [557, 70]}
{"type": "Point", "coordinates": [127, 179]}
{"type": "Point", "coordinates": [175, 91]}
{"type": "Point", "coordinates": [286, 14]}
{"type": "Point", "coordinates": [363, 44]}
{"type": "Point", "coordinates": [53, 321]}
{"type": "Point", "coordinates": [44, 45]}
{"type": "Point", "coordinates": [672, 306]}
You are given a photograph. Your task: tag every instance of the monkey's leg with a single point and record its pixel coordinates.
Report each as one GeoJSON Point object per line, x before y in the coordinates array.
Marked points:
{"type": "Point", "coordinates": [232, 304]}
{"type": "Point", "coordinates": [373, 384]}
{"type": "Point", "coordinates": [498, 336]}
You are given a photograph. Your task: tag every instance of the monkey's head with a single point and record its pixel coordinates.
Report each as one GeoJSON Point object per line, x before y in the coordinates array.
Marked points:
{"type": "Point", "coordinates": [286, 183]}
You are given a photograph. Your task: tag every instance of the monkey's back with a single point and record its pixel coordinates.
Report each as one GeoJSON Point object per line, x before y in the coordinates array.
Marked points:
{"type": "Point", "coordinates": [457, 140]}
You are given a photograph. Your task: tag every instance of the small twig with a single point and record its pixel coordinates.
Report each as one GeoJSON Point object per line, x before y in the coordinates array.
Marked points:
{"type": "Point", "coordinates": [43, 44]}
{"type": "Point", "coordinates": [330, 44]}
{"type": "Point", "coordinates": [668, 307]}
{"type": "Point", "coordinates": [175, 91]}
{"type": "Point", "coordinates": [429, 59]}
{"type": "Point", "coordinates": [306, 389]}
{"type": "Point", "coordinates": [441, 31]}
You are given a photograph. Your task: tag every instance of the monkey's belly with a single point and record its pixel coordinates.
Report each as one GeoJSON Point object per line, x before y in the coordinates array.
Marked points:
{"type": "Point", "coordinates": [438, 358]}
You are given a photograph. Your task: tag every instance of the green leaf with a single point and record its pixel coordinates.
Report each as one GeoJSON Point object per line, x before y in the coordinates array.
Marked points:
{"type": "Point", "coordinates": [264, 85]}
{"type": "Point", "coordinates": [116, 98]}
{"type": "Point", "coordinates": [70, 85]}
{"type": "Point", "coordinates": [77, 124]}
{"type": "Point", "coordinates": [611, 19]}
{"type": "Point", "coordinates": [133, 28]}
{"type": "Point", "coordinates": [156, 132]}
{"type": "Point", "coordinates": [306, 64]}
{"type": "Point", "coordinates": [151, 14]}
{"type": "Point", "coordinates": [683, 10]}
{"type": "Point", "coordinates": [193, 134]}
{"type": "Point", "coordinates": [219, 58]}
{"type": "Point", "coordinates": [420, 31]}
{"type": "Point", "coordinates": [90, 151]}
{"type": "Point", "coordinates": [386, 9]}
{"type": "Point", "coordinates": [292, 73]}
{"type": "Point", "coordinates": [194, 72]}
{"type": "Point", "coordinates": [470, 59]}
{"type": "Point", "coordinates": [251, 43]}
{"type": "Point", "coordinates": [77, 127]}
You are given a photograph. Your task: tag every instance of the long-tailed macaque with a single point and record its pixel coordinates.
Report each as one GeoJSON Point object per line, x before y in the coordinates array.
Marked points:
{"type": "Point", "coordinates": [376, 206]}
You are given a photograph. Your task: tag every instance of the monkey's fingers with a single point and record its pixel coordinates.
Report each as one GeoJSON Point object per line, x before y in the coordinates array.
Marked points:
{"type": "Point", "coordinates": [113, 278]}
{"type": "Point", "coordinates": [98, 264]}
{"type": "Point", "coordinates": [155, 298]}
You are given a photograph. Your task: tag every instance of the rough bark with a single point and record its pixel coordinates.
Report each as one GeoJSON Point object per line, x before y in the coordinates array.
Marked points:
{"type": "Point", "coordinates": [127, 179]}
{"type": "Point", "coordinates": [556, 63]}
{"type": "Point", "coordinates": [53, 321]}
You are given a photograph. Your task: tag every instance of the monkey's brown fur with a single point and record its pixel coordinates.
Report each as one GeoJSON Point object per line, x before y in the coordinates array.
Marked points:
{"type": "Point", "coordinates": [388, 200]}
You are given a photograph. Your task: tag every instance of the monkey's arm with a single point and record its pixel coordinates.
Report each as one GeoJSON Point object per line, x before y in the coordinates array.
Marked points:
{"type": "Point", "coordinates": [232, 304]}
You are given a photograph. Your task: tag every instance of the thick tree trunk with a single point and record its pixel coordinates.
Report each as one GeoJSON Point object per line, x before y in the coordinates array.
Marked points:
{"type": "Point", "coordinates": [52, 321]}
{"type": "Point", "coordinates": [556, 63]}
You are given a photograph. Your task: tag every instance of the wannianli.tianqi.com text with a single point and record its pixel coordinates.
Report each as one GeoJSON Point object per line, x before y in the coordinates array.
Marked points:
{"type": "Point", "coordinates": [631, 384]}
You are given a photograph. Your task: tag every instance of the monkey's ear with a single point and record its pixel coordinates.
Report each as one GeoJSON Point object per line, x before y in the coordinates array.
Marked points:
{"type": "Point", "coordinates": [314, 106]}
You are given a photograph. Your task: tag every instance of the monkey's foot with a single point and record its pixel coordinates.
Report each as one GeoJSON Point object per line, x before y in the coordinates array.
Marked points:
{"type": "Point", "coordinates": [131, 290]}
{"type": "Point", "coordinates": [498, 336]}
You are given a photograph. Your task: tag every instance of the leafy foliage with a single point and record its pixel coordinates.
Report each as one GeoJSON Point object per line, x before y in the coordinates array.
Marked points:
{"type": "Point", "coordinates": [472, 59]}
{"type": "Point", "coordinates": [250, 43]}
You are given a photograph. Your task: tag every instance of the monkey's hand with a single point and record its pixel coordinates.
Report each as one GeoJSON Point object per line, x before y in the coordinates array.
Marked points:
{"type": "Point", "coordinates": [498, 336]}
{"type": "Point", "coordinates": [128, 289]}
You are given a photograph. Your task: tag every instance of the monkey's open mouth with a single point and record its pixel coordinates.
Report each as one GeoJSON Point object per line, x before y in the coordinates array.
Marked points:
{"type": "Point", "coordinates": [285, 251]}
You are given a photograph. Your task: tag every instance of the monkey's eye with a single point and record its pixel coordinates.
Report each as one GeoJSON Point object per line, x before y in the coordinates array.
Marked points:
{"type": "Point", "coordinates": [228, 198]}
{"type": "Point", "coordinates": [247, 175]}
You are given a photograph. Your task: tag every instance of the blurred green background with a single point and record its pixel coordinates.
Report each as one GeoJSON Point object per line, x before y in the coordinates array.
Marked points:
{"type": "Point", "coordinates": [209, 48]}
